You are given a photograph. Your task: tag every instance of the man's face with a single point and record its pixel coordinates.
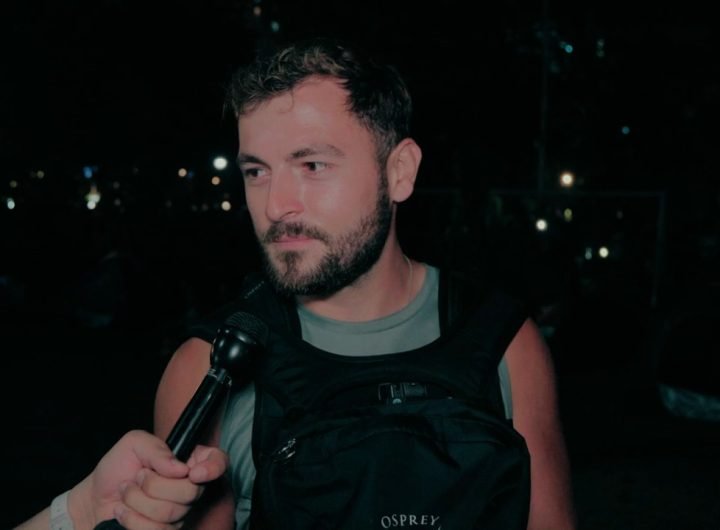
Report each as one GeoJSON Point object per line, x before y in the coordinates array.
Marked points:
{"type": "Point", "coordinates": [317, 199]}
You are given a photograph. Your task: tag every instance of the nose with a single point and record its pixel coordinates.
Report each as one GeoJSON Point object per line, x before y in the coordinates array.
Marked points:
{"type": "Point", "coordinates": [284, 199]}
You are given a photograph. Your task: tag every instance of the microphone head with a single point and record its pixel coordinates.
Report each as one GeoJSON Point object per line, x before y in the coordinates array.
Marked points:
{"type": "Point", "coordinates": [255, 328]}
{"type": "Point", "coordinates": [236, 339]}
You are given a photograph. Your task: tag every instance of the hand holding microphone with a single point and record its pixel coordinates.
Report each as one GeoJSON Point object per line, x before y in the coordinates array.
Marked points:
{"type": "Point", "coordinates": [232, 354]}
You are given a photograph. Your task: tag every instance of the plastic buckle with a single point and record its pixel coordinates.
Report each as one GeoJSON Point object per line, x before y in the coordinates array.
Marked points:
{"type": "Point", "coordinates": [397, 393]}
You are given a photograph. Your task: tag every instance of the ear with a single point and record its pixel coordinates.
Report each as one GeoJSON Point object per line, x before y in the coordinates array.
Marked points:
{"type": "Point", "coordinates": [402, 168]}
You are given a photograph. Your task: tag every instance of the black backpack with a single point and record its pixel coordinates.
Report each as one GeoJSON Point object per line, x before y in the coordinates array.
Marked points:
{"type": "Point", "coordinates": [415, 439]}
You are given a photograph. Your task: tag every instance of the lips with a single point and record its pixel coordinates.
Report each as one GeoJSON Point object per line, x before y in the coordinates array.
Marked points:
{"type": "Point", "coordinates": [291, 239]}
{"type": "Point", "coordinates": [291, 242]}
{"type": "Point", "coordinates": [292, 233]}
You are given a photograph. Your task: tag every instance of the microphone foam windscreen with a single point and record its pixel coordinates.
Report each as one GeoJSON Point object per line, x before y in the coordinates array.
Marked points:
{"type": "Point", "coordinates": [250, 324]}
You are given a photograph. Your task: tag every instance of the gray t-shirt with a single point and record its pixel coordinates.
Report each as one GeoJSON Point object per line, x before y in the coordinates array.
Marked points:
{"type": "Point", "coordinates": [416, 325]}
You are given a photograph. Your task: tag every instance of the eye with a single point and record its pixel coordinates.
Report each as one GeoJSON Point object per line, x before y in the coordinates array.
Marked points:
{"type": "Point", "coordinates": [316, 167]}
{"type": "Point", "coordinates": [252, 172]}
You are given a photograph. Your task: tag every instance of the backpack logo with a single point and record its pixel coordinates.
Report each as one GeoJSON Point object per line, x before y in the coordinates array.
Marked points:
{"type": "Point", "coordinates": [404, 520]}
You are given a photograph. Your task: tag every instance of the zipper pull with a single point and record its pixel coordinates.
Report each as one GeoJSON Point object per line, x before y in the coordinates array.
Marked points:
{"type": "Point", "coordinates": [286, 452]}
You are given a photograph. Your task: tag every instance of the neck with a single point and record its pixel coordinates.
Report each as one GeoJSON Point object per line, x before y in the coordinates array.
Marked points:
{"type": "Point", "coordinates": [385, 289]}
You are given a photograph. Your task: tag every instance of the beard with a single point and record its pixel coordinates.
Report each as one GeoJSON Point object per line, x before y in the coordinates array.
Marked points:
{"type": "Point", "coordinates": [348, 255]}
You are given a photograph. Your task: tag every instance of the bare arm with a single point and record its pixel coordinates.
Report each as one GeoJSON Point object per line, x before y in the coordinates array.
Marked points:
{"type": "Point", "coordinates": [181, 378]}
{"type": "Point", "coordinates": [536, 417]}
{"type": "Point", "coordinates": [153, 504]}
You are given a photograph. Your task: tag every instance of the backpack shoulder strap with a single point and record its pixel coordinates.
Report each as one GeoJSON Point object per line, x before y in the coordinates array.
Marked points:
{"type": "Point", "coordinates": [257, 298]}
{"type": "Point", "coordinates": [462, 298]}
{"type": "Point", "coordinates": [466, 301]}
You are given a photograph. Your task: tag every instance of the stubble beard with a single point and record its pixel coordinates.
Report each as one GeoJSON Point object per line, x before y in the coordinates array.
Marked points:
{"type": "Point", "coordinates": [348, 256]}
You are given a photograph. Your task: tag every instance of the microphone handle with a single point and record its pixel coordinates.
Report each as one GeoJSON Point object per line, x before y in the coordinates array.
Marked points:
{"type": "Point", "coordinates": [192, 422]}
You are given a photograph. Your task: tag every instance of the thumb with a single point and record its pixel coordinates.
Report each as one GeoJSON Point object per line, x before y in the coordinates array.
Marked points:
{"type": "Point", "coordinates": [154, 453]}
{"type": "Point", "coordinates": [207, 464]}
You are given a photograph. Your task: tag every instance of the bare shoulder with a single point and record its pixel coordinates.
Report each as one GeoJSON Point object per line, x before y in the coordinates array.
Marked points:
{"type": "Point", "coordinates": [181, 378]}
{"type": "Point", "coordinates": [531, 369]}
{"type": "Point", "coordinates": [536, 417]}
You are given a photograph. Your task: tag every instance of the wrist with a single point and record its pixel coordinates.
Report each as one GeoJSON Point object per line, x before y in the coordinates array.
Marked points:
{"type": "Point", "coordinates": [80, 506]}
{"type": "Point", "coordinates": [60, 518]}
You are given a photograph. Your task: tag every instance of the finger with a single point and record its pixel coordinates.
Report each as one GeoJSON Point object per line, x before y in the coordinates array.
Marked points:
{"type": "Point", "coordinates": [207, 464]}
{"type": "Point", "coordinates": [154, 453]}
{"type": "Point", "coordinates": [178, 490]}
{"type": "Point", "coordinates": [152, 509]}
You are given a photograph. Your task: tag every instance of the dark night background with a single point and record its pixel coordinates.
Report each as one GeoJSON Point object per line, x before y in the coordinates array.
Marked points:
{"type": "Point", "coordinates": [115, 96]}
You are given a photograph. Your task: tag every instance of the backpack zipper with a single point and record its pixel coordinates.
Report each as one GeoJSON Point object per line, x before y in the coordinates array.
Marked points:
{"type": "Point", "coordinates": [286, 452]}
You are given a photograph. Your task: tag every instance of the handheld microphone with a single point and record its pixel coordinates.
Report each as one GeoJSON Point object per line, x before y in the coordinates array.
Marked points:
{"type": "Point", "coordinates": [232, 353]}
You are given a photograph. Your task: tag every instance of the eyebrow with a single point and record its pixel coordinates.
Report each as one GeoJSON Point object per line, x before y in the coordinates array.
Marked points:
{"type": "Point", "coordinates": [244, 158]}
{"type": "Point", "coordinates": [317, 149]}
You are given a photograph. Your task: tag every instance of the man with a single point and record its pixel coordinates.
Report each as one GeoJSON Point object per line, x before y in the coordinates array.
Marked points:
{"type": "Point", "coordinates": [137, 482]}
{"type": "Point", "coordinates": [326, 157]}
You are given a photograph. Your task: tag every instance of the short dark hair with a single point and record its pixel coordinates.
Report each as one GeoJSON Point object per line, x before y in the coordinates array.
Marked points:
{"type": "Point", "coordinates": [377, 94]}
